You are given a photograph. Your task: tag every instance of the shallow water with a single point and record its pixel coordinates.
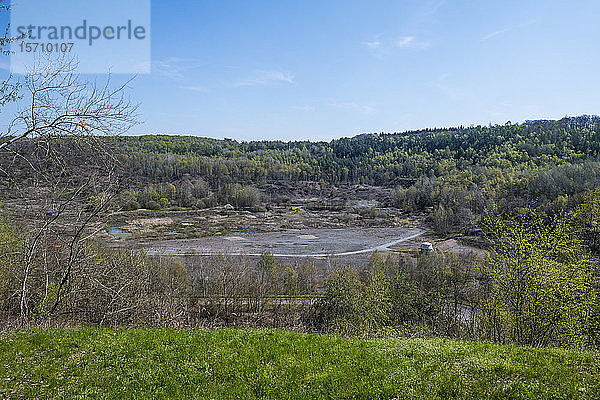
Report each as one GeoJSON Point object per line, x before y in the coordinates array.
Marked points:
{"type": "Point", "coordinates": [116, 231]}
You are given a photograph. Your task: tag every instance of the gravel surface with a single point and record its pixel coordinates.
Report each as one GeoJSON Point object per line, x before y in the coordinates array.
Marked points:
{"type": "Point", "coordinates": [292, 243]}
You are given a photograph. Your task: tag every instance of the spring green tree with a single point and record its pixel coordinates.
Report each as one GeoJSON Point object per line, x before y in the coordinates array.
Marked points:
{"type": "Point", "coordinates": [587, 218]}
{"type": "Point", "coordinates": [541, 281]}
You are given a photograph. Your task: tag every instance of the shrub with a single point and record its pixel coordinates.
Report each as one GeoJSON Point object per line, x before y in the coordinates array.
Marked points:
{"type": "Point", "coordinates": [152, 205]}
{"type": "Point", "coordinates": [541, 282]}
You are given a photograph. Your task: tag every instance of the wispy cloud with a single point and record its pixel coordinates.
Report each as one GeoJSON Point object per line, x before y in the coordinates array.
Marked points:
{"type": "Point", "coordinates": [171, 68]}
{"type": "Point", "coordinates": [493, 34]}
{"type": "Point", "coordinates": [174, 68]}
{"type": "Point", "coordinates": [499, 32]}
{"type": "Point", "coordinates": [435, 7]}
{"type": "Point", "coordinates": [305, 108]}
{"type": "Point", "coordinates": [363, 108]}
{"type": "Point", "coordinates": [382, 47]}
{"type": "Point", "coordinates": [528, 22]}
{"type": "Point", "coordinates": [199, 89]}
{"type": "Point", "coordinates": [405, 41]}
{"type": "Point", "coordinates": [265, 77]}
{"type": "Point", "coordinates": [411, 42]}
{"type": "Point", "coordinates": [373, 45]}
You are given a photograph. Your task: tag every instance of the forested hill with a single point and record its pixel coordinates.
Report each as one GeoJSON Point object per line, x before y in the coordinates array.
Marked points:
{"type": "Point", "coordinates": [378, 159]}
{"type": "Point", "coordinates": [580, 130]}
{"type": "Point", "coordinates": [454, 174]}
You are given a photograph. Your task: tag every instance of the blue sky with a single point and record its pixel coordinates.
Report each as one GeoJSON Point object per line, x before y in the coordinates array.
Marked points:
{"type": "Point", "coordinates": [324, 69]}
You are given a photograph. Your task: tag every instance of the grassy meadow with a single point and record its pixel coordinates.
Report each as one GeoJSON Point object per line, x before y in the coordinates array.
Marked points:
{"type": "Point", "coordinates": [271, 364]}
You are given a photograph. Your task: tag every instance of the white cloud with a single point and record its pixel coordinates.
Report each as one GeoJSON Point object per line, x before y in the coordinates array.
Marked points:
{"type": "Point", "coordinates": [411, 42]}
{"type": "Point", "coordinates": [200, 89]}
{"type": "Point", "coordinates": [171, 68]}
{"type": "Point", "coordinates": [382, 48]}
{"type": "Point", "coordinates": [265, 77]}
{"type": "Point", "coordinates": [304, 108]}
{"type": "Point", "coordinates": [527, 23]}
{"type": "Point", "coordinates": [373, 45]}
{"type": "Point", "coordinates": [363, 108]}
{"type": "Point", "coordinates": [493, 34]}
{"type": "Point", "coordinates": [405, 41]}
{"type": "Point", "coordinates": [499, 32]}
{"type": "Point", "coordinates": [174, 68]}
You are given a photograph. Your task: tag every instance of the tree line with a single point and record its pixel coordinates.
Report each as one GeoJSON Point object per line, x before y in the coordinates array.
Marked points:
{"type": "Point", "coordinates": [452, 175]}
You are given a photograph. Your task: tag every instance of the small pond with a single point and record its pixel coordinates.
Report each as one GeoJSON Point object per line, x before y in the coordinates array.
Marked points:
{"type": "Point", "coordinates": [118, 232]}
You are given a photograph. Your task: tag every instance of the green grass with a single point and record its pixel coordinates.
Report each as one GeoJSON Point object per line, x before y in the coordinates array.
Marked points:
{"type": "Point", "coordinates": [248, 364]}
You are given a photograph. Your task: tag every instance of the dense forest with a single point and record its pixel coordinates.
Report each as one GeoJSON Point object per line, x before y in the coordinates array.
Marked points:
{"type": "Point", "coordinates": [376, 159]}
{"type": "Point", "coordinates": [452, 174]}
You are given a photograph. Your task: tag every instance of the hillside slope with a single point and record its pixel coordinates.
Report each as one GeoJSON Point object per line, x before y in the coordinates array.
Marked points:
{"type": "Point", "coordinates": [245, 364]}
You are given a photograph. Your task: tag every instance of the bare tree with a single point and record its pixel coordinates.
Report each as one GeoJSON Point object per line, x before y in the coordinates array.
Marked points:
{"type": "Point", "coordinates": [57, 173]}
{"type": "Point", "coordinates": [59, 102]}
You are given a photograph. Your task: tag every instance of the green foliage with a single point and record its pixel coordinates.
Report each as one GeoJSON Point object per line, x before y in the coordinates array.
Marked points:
{"type": "Point", "coordinates": [405, 302]}
{"type": "Point", "coordinates": [153, 205]}
{"type": "Point", "coordinates": [268, 266]}
{"type": "Point", "coordinates": [426, 297]}
{"type": "Point", "coordinates": [457, 172]}
{"type": "Point", "coordinates": [453, 174]}
{"type": "Point", "coordinates": [542, 286]}
{"type": "Point", "coordinates": [341, 306]}
{"type": "Point", "coordinates": [197, 195]}
{"type": "Point", "coordinates": [291, 282]}
{"type": "Point", "coordinates": [43, 302]}
{"type": "Point", "coordinates": [250, 364]}
{"type": "Point", "coordinates": [376, 304]}
{"type": "Point", "coordinates": [246, 198]}
{"type": "Point", "coordinates": [587, 219]}
{"type": "Point", "coordinates": [381, 159]}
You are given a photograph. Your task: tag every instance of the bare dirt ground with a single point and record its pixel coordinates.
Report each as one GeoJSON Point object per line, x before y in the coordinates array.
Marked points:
{"type": "Point", "coordinates": [293, 243]}
{"type": "Point", "coordinates": [144, 225]}
{"type": "Point", "coordinates": [294, 234]}
{"type": "Point", "coordinates": [453, 246]}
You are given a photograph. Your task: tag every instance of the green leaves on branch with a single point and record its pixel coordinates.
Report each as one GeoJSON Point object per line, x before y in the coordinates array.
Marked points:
{"type": "Point", "coordinates": [541, 280]}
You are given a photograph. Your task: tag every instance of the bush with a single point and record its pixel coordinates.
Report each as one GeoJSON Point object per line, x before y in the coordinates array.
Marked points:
{"type": "Point", "coordinates": [247, 198]}
{"type": "Point", "coordinates": [541, 281]}
{"type": "Point", "coordinates": [152, 205]}
{"type": "Point", "coordinates": [340, 308]}
{"type": "Point", "coordinates": [131, 205]}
